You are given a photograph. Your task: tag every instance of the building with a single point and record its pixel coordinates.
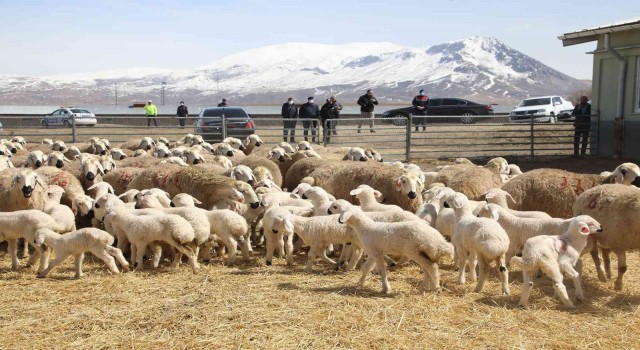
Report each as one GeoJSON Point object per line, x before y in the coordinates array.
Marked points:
{"type": "Point", "coordinates": [616, 85]}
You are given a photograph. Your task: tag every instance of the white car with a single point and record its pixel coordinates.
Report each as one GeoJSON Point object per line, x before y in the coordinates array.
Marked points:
{"type": "Point", "coordinates": [65, 115]}
{"type": "Point", "coordinates": [543, 109]}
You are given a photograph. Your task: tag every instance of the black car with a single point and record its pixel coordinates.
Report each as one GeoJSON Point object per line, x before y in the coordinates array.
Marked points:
{"type": "Point", "coordinates": [238, 123]}
{"type": "Point", "coordinates": [467, 110]}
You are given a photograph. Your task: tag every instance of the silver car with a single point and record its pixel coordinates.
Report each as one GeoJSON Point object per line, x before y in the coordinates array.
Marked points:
{"type": "Point", "coordinates": [65, 116]}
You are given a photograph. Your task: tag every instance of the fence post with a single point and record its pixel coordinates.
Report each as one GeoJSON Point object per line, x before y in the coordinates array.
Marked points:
{"type": "Point", "coordinates": [408, 139]}
{"type": "Point", "coordinates": [324, 131]}
{"type": "Point", "coordinates": [73, 128]}
{"type": "Point", "coordinates": [533, 140]}
{"type": "Point", "coordinates": [224, 127]}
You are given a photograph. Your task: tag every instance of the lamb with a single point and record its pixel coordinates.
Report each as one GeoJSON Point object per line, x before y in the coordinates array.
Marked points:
{"type": "Point", "coordinates": [129, 196]}
{"type": "Point", "coordinates": [372, 154]}
{"type": "Point", "coordinates": [285, 161]}
{"type": "Point", "coordinates": [616, 207]}
{"type": "Point", "coordinates": [223, 149]}
{"type": "Point", "coordinates": [174, 160]}
{"type": "Point", "coordinates": [184, 200]}
{"type": "Point", "coordinates": [20, 140]}
{"type": "Point", "coordinates": [251, 142]}
{"type": "Point", "coordinates": [555, 191]}
{"type": "Point", "coordinates": [304, 145]}
{"type": "Point", "coordinates": [368, 198]}
{"type": "Point", "coordinates": [556, 256]}
{"type": "Point", "coordinates": [193, 156]}
{"type": "Point", "coordinates": [261, 173]}
{"type": "Point", "coordinates": [415, 240]}
{"type": "Point", "coordinates": [90, 172]}
{"type": "Point", "coordinates": [287, 147]}
{"type": "Point", "coordinates": [143, 230]}
{"type": "Point", "coordinates": [266, 183]}
{"type": "Point", "coordinates": [305, 170]}
{"type": "Point", "coordinates": [72, 153]}
{"type": "Point", "coordinates": [36, 159]}
{"type": "Point", "coordinates": [478, 238]}
{"type": "Point", "coordinates": [223, 161]}
{"type": "Point", "coordinates": [146, 143]}
{"type": "Point", "coordinates": [76, 243]}
{"type": "Point", "coordinates": [357, 154]}
{"type": "Point", "coordinates": [502, 198]}
{"type": "Point", "coordinates": [23, 224]}
{"type": "Point", "coordinates": [271, 222]}
{"type": "Point", "coordinates": [57, 159]}
{"type": "Point", "coordinates": [161, 151]}
{"type": "Point", "coordinates": [5, 163]}
{"type": "Point", "coordinates": [319, 198]}
{"type": "Point", "coordinates": [62, 214]}
{"type": "Point", "coordinates": [140, 153]}
{"type": "Point", "coordinates": [13, 148]}
{"type": "Point", "coordinates": [47, 142]}
{"type": "Point", "coordinates": [257, 162]}
{"type": "Point", "coordinates": [100, 189]}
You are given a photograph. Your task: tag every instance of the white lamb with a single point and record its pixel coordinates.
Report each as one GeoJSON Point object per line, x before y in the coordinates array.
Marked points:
{"type": "Point", "coordinates": [414, 239]}
{"type": "Point", "coordinates": [184, 200]}
{"type": "Point", "coordinates": [174, 160]}
{"type": "Point", "coordinates": [129, 196]}
{"type": "Point", "coordinates": [502, 198]}
{"type": "Point", "coordinates": [556, 256]}
{"type": "Point", "coordinates": [100, 189]}
{"type": "Point", "coordinates": [478, 238]}
{"type": "Point", "coordinates": [369, 197]}
{"type": "Point", "coordinates": [355, 154]}
{"type": "Point", "coordinates": [76, 243]}
{"type": "Point", "coordinates": [62, 214]}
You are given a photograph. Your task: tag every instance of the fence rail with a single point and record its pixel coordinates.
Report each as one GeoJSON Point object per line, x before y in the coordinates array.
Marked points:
{"type": "Point", "coordinates": [415, 137]}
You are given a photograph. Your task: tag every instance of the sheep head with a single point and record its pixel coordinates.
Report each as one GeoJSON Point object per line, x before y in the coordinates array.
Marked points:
{"type": "Point", "coordinates": [410, 185]}
{"type": "Point", "coordinates": [28, 180]}
{"type": "Point", "coordinates": [626, 173]}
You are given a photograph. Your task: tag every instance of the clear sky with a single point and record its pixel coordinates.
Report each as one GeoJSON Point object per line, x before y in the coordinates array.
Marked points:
{"type": "Point", "coordinates": [42, 37]}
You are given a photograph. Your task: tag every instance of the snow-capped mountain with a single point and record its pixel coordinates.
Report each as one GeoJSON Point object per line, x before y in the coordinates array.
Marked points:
{"type": "Point", "coordinates": [478, 68]}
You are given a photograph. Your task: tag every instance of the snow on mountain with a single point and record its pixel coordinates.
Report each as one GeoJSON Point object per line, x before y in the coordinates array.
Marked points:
{"type": "Point", "coordinates": [476, 67]}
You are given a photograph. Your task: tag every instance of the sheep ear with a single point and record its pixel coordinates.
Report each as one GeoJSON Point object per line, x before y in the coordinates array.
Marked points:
{"type": "Point", "coordinates": [100, 168]}
{"type": "Point", "coordinates": [233, 174]}
{"type": "Point", "coordinates": [420, 181]}
{"type": "Point", "coordinates": [457, 202]}
{"type": "Point", "coordinates": [344, 217]}
{"type": "Point", "coordinates": [489, 195]}
{"type": "Point", "coordinates": [74, 208]}
{"type": "Point", "coordinates": [270, 156]}
{"type": "Point", "coordinates": [39, 182]}
{"type": "Point", "coordinates": [619, 176]}
{"type": "Point", "coordinates": [196, 201]}
{"type": "Point", "coordinates": [294, 196]}
{"type": "Point", "coordinates": [65, 159]}
{"type": "Point", "coordinates": [287, 157]}
{"type": "Point", "coordinates": [355, 192]}
{"type": "Point", "coordinates": [288, 225]}
{"type": "Point", "coordinates": [512, 199]}
{"type": "Point", "coordinates": [15, 180]}
{"type": "Point", "coordinates": [377, 194]}
{"type": "Point", "coordinates": [92, 187]}
{"type": "Point", "coordinates": [239, 195]}
{"type": "Point", "coordinates": [398, 185]}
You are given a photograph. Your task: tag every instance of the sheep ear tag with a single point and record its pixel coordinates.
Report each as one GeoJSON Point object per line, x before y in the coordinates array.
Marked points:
{"type": "Point", "coordinates": [585, 230]}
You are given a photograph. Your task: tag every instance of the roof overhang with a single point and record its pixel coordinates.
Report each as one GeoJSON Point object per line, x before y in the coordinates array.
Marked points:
{"type": "Point", "coordinates": [587, 35]}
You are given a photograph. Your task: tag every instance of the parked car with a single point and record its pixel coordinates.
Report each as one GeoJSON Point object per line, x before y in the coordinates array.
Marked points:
{"type": "Point", "coordinates": [565, 115]}
{"type": "Point", "coordinates": [465, 109]}
{"type": "Point", "coordinates": [238, 123]}
{"type": "Point", "coordinates": [64, 117]}
{"type": "Point", "coordinates": [543, 109]}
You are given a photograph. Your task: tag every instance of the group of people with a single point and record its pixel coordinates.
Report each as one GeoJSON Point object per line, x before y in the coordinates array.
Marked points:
{"type": "Point", "coordinates": [182, 112]}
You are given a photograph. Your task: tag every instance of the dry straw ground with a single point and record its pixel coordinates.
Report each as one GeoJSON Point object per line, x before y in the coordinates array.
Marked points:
{"type": "Point", "coordinates": [280, 307]}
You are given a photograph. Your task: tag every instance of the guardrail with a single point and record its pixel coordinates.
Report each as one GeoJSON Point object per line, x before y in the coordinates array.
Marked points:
{"type": "Point", "coordinates": [396, 139]}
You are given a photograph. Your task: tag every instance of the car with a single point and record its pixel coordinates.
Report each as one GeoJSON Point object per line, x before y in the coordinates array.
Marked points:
{"type": "Point", "coordinates": [465, 109]}
{"type": "Point", "coordinates": [65, 115]}
{"type": "Point", "coordinates": [238, 123]}
{"type": "Point", "coordinates": [542, 109]}
{"type": "Point", "coordinates": [566, 115]}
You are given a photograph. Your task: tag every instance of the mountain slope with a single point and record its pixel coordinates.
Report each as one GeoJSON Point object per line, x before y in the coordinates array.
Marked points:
{"type": "Point", "coordinates": [478, 68]}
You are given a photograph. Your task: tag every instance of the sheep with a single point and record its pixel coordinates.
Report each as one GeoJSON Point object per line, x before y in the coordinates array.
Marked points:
{"type": "Point", "coordinates": [120, 178]}
{"type": "Point", "coordinates": [251, 142]}
{"type": "Point", "coordinates": [414, 239]}
{"type": "Point", "coordinates": [502, 198]}
{"type": "Point", "coordinates": [23, 224]}
{"type": "Point", "coordinates": [271, 222]}
{"type": "Point", "coordinates": [57, 159]}
{"type": "Point", "coordinates": [66, 180]}
{"type": "Point", "coordinates": [143, 230]}
{"type": "Point", "coordinates": [285, 161]}
{"type": "Point", "coordinates": [235, 143]}
{"type": "Point", "coordinates": [222, 161]}
{"type": "Point", "coordinates": [372, 154]}
{"type": "Point", "coordinates": [47, 142]}
{"type": "Point", "coordinates": [356, 154]}
{"type": "Point", "coordinates": [140, 153]}
{"type": "Point", "coordinates": [307, 168]}
{"type": "Point", "coordinates": [266, 183]}
{"type": "Point", "coordinates": [616, 207]}
{"type": "Point", "coordinates": [59, 146]}
{"type": "Point", "coordinates": [255, 162]}
{"type": "Point", "coordinates": [129, 196]}
{"type": "Point", "coordinates": [20, 140]}
{"type": "Point", "coordinates": [76, 243]}
{"type": "Point", "coordinates": [208, 187]}
{"type": "Point", "coordinates": [261, 173]}
{"type": "Point", "coordinates": [556, 256]}
{"type": "Point", "coordinates": [36, 159]}
{"type": "Point", "coordinates": [241, 173]}
{"type": "Point", "coordinates": [107, 162]}
{"type": "Point", "coordinates": [90, 172]}
{"type": "Point", "coordinates": [146, 143]}
{"type": "Point", "coordinates": [287, 147]}
{"type": "Point", "coordinates": [303, 146]}
{"type": "Point", "coordinates": [62, 214]}
{"type": "Point", "coordinates": [99, 189]}
{"type": "Point", "coordinates": [5, 163]}
{"type": "Point", "coordinates": [5, 151]}
{"type": "Point", "coordinates": [21, 189]}
{"type": "Point", "coordinates": [555, 191]}
{"type": "Point", "coordinates": [478, 238]}
{"type": "Point", "coordinates": [11, 147]}
{"type": "Point", "coordinates": [368, 198]}
{"type": "Point", "coordinates": [223, 149]}
{"type": "Point", "coordinates": [160, 195]}
{"type": "Point", "coordinates": [184, 200]}
{"type": "Point", "coordinates": [473, 181]}
{"type": "Point", "coordinates": [162, 140]}
{"type": "Point", "coordinates": [193, 156]}
{"type": "Point", "coordinates": [174, 160]}
{"type": "Point", "coordinates": [140, 162]}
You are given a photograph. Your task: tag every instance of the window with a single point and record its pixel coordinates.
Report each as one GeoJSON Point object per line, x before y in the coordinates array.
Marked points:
{"type": "Point", "coordinates": [557, 100]}
{"type": "Point", "coordinates": [434, 102]}
{"type": "Point", "coordinates": [638, 86]}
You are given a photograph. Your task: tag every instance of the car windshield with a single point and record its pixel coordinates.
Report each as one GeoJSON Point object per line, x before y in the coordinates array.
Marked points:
{"type": "Point", "coordinates": [229, 113]}
{"type": "Point", "coordinates": [78, 110]}
{"type": "Point", "coordinates": [535, 102]}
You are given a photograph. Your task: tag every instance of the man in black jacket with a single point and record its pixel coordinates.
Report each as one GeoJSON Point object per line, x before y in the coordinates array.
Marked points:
{"type": "Point", "coordinates": [367, 103]}
{"type": "Point", "coordinates": [582, 123]}
{"type": "Point", "coordinates": [330, 111]}
{"type": "Point", "coordinates": [309, 111]}
{"type": "Point", "coordinates": [223, 103]}
{"type": "Point", "coordinates": [420, 105]}
{"type": "Point", "coordinates": [182, 113]}
{"type": "Point", "coordinates": [290, 114]}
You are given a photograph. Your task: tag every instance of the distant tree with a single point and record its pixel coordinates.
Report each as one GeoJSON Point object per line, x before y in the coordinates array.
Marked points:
{"type": "Point", "coordinates": [574, 97]}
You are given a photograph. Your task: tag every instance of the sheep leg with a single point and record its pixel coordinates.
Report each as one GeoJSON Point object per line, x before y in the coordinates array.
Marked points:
{"type": "Point", "coordinates": [289, 250]}
{"type": "Point", "coordinates": [606, 259]}
{"type": "Point", "coordinates": [205, 252]}
{"type": "Point", "coordinates": [79, 260]}
{"type": "Point", "coordinates": [503, 273]}
{"type": "Point", "coordinates": [345, 254]}
{"type": "Point", "coordinates": [622, 268]}
{"type": "Point", "coordinates": [330, 250]}
{"type": "Point", "coordinates": [366, 268]}
{"type": "Point", "coordinates": [117, 253]}
{"type": "Point", "coordinates": [44, 252]}
{"type": "Point", "coordinates": [157, 255]}
{"type": "Point", "coordinates": [193, 260]}
{"type": "Point", "coordinates": [389, 261]}
{"type": "Point", "coordinates": [36, 254]}
{"type": "Point", "coordinates": [430, 271]}
{"type": "Point", "coordinates": [57, 261]}
{"type": "Point", "coordinates": [140, 249]}
{"type": "Point", "coordinates": [461, 263]}
{"type": "Point", "coordinates": [107, 259]}
{"type": "Point", "coordinates": [232, 247]}
{"type": "Point", "coordinates": [355, 257]}
{"type": "Point", "coordinates": [558, 286]}
{"type": "Point", "coordinates": [403, 260]}
{"type": "Point", "coordinates": [271, 246]}
{"type": "Point", "coordinates": [25, 249]}
{"type": "Point", "coordinates": [323, 255]}
{"type": "Point", "coordinates": [245, 247]}
{"type": "Point", "coordinates": [527, 285]}
{"type": "Point", "coordinates": [280, 245]}
{"type": "Point", "coordinates": [13, 249]}
{"type": "Point", "coordinates": [595, 256]}
{"type": "Point", "coordinates": [484, 268]}
{"type": "Point", "coordinates": [382, 271]}
{"type": "Point", "coordinates": [473, 262]}
{"type": "Point", "coordinates": [311, 256]}
{"type": "Point", "coordinates": [575, 276]}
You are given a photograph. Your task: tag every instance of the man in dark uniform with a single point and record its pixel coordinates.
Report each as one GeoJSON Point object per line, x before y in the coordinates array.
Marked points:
{"type": "Point", "coordinates": [308, 111]}
{"type": "Point", "coordinates": [290, 114]}
{"type": "Point", "coordinates": [582, 123]}
{"type": "Point", "coordinates": [420, 106]}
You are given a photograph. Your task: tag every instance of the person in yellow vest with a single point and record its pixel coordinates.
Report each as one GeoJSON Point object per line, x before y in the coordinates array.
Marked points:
{"type": "Point", "coordinates": [152, 113]}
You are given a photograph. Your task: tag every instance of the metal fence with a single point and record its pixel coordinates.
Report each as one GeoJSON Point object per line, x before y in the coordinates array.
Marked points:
{"type": "Point", "coordinates": [417, 137]}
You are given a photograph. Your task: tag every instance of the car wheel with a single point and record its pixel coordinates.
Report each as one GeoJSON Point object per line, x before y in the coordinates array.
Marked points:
{"type": "Point", "coordinates": [399, 119]}
{"type": "Point", "coordinates": [66, 124]}
{"type": "Point", "coordinates": [44, 124]}
{"type": "Point", "coordinates": [468, 118]}
{"type": "Point", "coordinates": [552, 118]}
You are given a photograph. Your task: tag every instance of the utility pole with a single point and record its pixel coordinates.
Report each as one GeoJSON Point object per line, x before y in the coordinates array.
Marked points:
{"type": "Point", "coordinates": [163, 86]}
{"type": "Point", "coordinates": [115, 88]}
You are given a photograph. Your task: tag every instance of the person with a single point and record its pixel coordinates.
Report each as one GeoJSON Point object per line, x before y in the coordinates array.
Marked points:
{"type": "Point", "coordinates": [330, 111]}
{"type": "Point", "coordinates": [152, 112]}
{"type": "Point", "coordinates": [581, 123]}
{"type": "Point", "coordinates": [367, 103]}
{"type": "Point", "coordinates": [309, 111]}
{"type": "Point", "coordinates": [420, 105]}
{"type": "Point", "coordinates": [223, 103]}
{"type": "Point", "coordinates": [182, 113]}
{"type": "Point", "coordinates": [290, 113]}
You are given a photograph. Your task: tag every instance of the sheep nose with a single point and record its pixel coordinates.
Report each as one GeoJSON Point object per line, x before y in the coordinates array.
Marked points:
{"type": "Point", "coordinates": [172, 205]}
{"type": "Point", "coordinates": [27, 191]}
{"type": "Point", "coordinates": [1, 153]}
{"type": "Point", "coordinates": [38, 163]}
{"type": "Point", "coordinates": [14, 150]}
{"type": "Point", "coordinates": [197, 161]}
{"type": "Point", "coordinates": [90, 214]}
{"type": "Point", "coordinates": [137, 206]}
{"type": "Point", "coordinates": [446, 205]}
{"type": "Point", "coordinates": [599, 230]}
{"type": "Point", "coordinates": [242, 147]}
{"type": "Point", "coordinates": [381, 160]}
{"type": "Point", "coordinates": [255, 205]}
{"type": "Point", "coordinates": [363, 159]}
{"type": "Point", "coordinates": [148, 148]}
{"type": "Point", "coordinates": [230, 154]}
{"type": "Point", "coordinates": [103, 153]}
{"type": "Point", "coordinates": [412, 195]}
{"type": "Point", "coordinates": [274, 231]}
{"type": "Point", "coordinates": [329, 212]}
{"type": "Point", "coordinates": [281, 158]}
{"type": "Point", "coordinates": [304, 196]}
{"type": "Point", "coordinates": [166, 155]}
{"type": "Point", "coordinates": [250, 182]}
{"type": "Point", "coordinates": [258, 144]}
{"type": "Point", "coordinates": [91, 176]}
{"type": "Point", "coordinates": [59, 164]}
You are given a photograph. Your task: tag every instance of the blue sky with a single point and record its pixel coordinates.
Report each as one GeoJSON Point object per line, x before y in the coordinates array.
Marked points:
{"type": "Point", "coordinates": [58, 37]}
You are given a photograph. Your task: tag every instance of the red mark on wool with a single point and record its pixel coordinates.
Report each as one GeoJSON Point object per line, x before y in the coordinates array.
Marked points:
{"type": "Point", "coordinates": [593, 202]}
{"type": "Point", "coordinates": [60, 179]}
{"type": "Point", "coordinates": [579, 188]}
{"type": "Point", "coordinates": [565, 182]}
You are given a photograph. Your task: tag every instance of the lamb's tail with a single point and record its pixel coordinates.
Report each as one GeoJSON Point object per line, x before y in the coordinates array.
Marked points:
{"type": "Point", "coordinates": [446, 250]}
{"type": "Point", "coordinates": [519, 262]}
{"type": "Point", "coordinates": [182, 237]}
{"type": "Point", "coordinates": [309, 180]}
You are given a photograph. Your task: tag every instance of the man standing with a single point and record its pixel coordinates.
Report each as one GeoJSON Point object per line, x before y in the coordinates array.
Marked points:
{"type": "Point", "coordinates": [330, 112]}
{"type": "Point", "coordinates": [309, 111]}
{"type": "Point", "coordinates": [420, 105]}
{"type": "Point", "coordinates": [223, 103]}
{"type": "Point", "coordinates": [290, 114]}
{"type": "Point", "coordinates": [367, 103]}
{"type": "Point", "coordinates": [582, 123]}
{"type": "Point", "coordinates": [152, 112]}
{"type": "Point", "coordinates": [182, 113]}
